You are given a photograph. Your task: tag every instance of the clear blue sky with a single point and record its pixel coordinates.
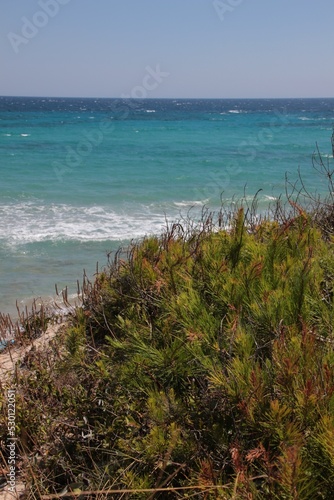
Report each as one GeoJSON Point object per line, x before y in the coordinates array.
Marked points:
{"type": "Point", "coordinates": [102, 48]}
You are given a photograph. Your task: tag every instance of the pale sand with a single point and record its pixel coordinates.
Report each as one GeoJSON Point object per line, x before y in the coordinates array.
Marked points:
{"type": "Point", "coordinates": [13, 354]}
{"type": "Point", "coordinates": [8, 364]}
{"type": "Point", "coordinates": [8, 495]}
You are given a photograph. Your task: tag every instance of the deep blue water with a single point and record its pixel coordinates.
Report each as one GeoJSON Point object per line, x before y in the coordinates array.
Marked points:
{"type": "Point", "coordinates": [81, 176]}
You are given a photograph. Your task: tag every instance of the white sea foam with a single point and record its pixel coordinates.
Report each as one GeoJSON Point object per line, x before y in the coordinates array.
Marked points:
{"type": "Point", "coordinates": [190, 203]}
{"type": "Point", "coordinates": [305, 118]}
{"type": "Point", "coordinates": [150, 111]}
{"type": "Point", "coordinates": [236, 111]}
{"type": "Point", "coordinates": [30, 222]}
{"type": "Point", "coordinates": [25, 135]}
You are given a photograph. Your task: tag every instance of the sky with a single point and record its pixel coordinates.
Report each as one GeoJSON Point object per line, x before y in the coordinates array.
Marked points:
{"type": "Point", "coordinates": [167, 48]}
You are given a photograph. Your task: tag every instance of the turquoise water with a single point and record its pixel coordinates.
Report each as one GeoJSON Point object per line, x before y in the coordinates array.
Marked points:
{"type": "Point", "coordinates": [79, 177]}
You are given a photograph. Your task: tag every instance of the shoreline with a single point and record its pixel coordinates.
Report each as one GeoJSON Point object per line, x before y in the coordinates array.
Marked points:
{"type": "Point", "coordinates": [15, 353]}
{"type": "Point", "coordinates": [52, 307]}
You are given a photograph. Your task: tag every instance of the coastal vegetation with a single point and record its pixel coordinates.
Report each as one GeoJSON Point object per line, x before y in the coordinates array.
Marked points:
{"type": "Point", "coordinates": [201, 365]}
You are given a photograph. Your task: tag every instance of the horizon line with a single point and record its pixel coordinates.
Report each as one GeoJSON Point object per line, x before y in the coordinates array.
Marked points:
{"type": "Point", "coordinates": [161, 98]}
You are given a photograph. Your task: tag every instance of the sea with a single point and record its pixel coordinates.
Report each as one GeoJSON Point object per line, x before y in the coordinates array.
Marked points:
{"type": "Point", "coordinates": [80, 178]}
